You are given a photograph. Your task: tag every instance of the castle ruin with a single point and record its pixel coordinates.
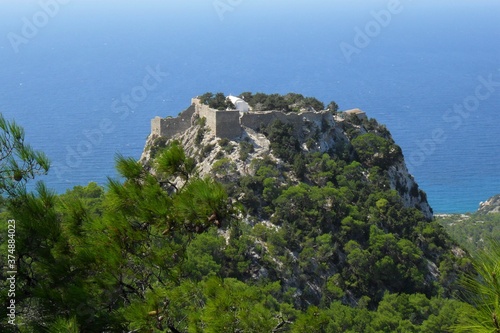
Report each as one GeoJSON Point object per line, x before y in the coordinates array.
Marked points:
{"type": "Point", "coordinates": [230, 123]}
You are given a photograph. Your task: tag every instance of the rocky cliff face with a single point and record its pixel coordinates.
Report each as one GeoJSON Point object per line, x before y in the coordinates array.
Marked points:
{"type": "Point", "coordinates": [492, 205]}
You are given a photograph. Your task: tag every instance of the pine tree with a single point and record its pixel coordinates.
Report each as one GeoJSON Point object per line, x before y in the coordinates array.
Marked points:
{"type": "Point", "coordinates": [482, 291]}
{"type": "Point", "coordinates": [93, 261]}
{"type": "Point", "coordinates": [18, 161]}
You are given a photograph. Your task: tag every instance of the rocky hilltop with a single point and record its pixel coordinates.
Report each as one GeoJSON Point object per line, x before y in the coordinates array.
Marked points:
{"type": "Point", "coordinates": [326, 206]}
{"type": "Point", "coordinates": [205, 134]}
{"type": "Point", "coordinates": [492, 205]}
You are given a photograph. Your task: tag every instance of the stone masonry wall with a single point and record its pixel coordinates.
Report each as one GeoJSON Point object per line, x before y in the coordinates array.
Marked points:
{"type": "Point", "coordinates": [255, 120]}
{"type": "Point", "coordinates": [208, 114]}
{"type": "Point", "coordinates": [228, 124]}
{"type": "Point", "coordinates": [224, 124]}
{"type": "Point", "coordinates": [169, 127]}
{"type": "Point", "coordinates": [156, 125]}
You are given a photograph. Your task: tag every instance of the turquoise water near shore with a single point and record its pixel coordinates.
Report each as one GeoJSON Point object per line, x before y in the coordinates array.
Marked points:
{"type": "Point", "coordinates": [73, 77]}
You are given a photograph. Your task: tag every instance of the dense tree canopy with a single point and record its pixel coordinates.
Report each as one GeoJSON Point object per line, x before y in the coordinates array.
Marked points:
{"type": "Point", "coordinates": [472, 231]}
{"type": "Point", "coordinates": [306, 242]}
{"type": "Point", "coordinates": [98, 260]}
{"type": "Point", "coordinates": [216, 101]}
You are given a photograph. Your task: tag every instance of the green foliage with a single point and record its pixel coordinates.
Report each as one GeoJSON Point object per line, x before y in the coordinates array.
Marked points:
{"type": "Point", "coordinates": [395, 313]}
{"type": "Point", "coordinates": [216, 101]}
{"type": "Point", "coordinates": [159, 144]}
{"type": "Point", "coordinates": [386, 261]}
{"type": "Point", "coordinates": [482, 292]}
{"type": "Point", "coordinates": [252, 187]}
{"type": "Point", "coordinates": [472, 231]}
{"type": "Point", "coordinates": [374, 150]}
{"type": "Point", "coordinates": [67, 283]}
{"type": "Point", "coordinates": [283, 141]}
{"type": "Point", "coordinates": [246, 148]}
{"type": "Point", "coordinates": [204, 255]}
{"type": "Point", "coordinates": [91, 197]}
{"type": "Point", "coordinates": [223, 167]}
{"type": "Point", "coordinates": [219, 305]}
{"type": "Point", "coordinates": [202, 122]}
{"type": "Point", "coordinates": [172, 162]}
{"type": "Point", "coordinates": [201, 204]}
{"type": "Point", "coordinates": [374, 244]}
{"type": "Point", "coordinates": [311, 102]}
{"type": "Point", "coordinates": [289, 102]}
{"type": "Point", "coordinates": [226, 145]}
{"type": "Point", "coordinates": [264, 102]}
{"type": "Point", "coordinates": [309, 242]}
{"type": "Point", "coordinates": [18, 161]}
{"type": "Point", "coordinates": [299, 166]}
{"type": "Point", "coordinates": [206, 150]}
{"type": "Point", "coordinates": [233, 306]}
{"type": "Point", "coordinates": [200, 135]}
{"type": "Point", "coordinates": [62, 325]}
{"type": "Point", "coordinates": [333, 107]}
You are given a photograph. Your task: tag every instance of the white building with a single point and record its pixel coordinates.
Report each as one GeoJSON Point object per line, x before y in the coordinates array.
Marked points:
{"type": "Point", "coordinates": [239, 103]}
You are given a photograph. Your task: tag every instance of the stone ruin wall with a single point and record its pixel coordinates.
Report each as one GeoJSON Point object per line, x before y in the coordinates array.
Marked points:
{"type": "Point", "coordinates": [228, 124]}
{"type": "Point", "coordinates": [168, 127]}
{"type": "Point", "coordinates": [256, 120]}
{"type": "Point", "coordinates": [224, 124]}
{"type": "Point", "coordinates": [209, 114]}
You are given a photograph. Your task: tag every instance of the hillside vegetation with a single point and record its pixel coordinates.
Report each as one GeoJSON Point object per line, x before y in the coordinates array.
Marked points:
{"type": "Point", "coordinates": [275, 232]}
{"type": "Point", "coordinates": [474, 231]}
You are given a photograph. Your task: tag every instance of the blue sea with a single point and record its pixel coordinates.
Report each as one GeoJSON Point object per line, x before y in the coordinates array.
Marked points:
{"type": "Point", "coordinates": [84, 78]}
